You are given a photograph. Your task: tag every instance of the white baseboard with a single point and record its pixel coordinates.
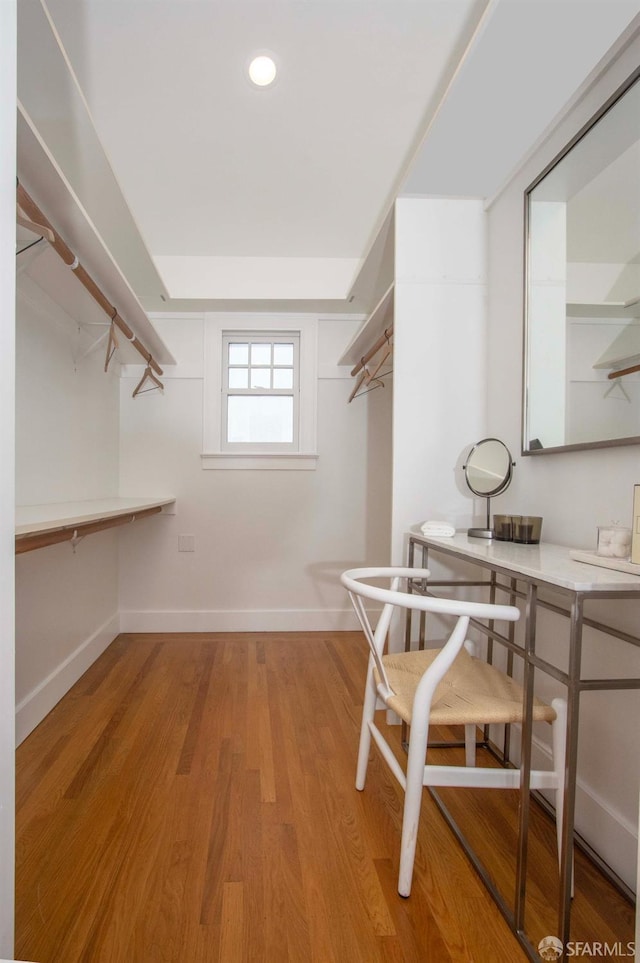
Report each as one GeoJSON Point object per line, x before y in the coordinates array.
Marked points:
{"type": "Point", "coordinates": [41, 700]}
{"type": "Point", "coordinates": [269, 620]}
{"type": "Point", "coordinates": [607, 831]}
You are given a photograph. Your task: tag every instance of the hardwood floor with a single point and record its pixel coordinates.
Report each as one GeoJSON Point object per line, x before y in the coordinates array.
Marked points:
{"type": "Point", "coordinates": [191, 799]}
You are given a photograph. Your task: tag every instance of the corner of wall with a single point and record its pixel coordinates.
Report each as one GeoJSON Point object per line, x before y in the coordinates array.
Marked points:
{"type": "Point", "coordinates": [41, 700]}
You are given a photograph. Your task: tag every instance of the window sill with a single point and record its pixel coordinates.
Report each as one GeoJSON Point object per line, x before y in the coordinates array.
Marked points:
{"type": "Point", "coordinates": [259, 461]}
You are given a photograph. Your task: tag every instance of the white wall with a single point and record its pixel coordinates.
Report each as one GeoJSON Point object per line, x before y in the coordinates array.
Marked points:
{"type": "Point", "coordinates": [66, 449]}
{"type": "Point", "coordinates": [574, 492]}
{"type": "Point", "coordinates": [7, 407]}
{"type": "Point", "coordinates": [269, 545]}
{"type": "Point", "coordinates": [66, 406]}
{"type": "Point", "coordinates": [439, 359]}
{"type": "Point", "coordinates": [379, 472]}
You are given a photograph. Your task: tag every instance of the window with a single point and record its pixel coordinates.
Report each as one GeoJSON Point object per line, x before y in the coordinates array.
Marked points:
{"type": "Point", "coordinates": [260, 393]}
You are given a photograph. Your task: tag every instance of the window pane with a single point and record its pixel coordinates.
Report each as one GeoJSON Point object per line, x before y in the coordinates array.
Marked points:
{"type": "Point", "coordinates": [283, 354]}
{"type": "Point", "coordinates": [283, 377]}
{"type": "Point", "coordinates": [260, 420]}
{"type": "Point", "coordinates": [261, 377]}
{"type": "Point", "coordinates": [238, 377]}
{"type": "Point", "coordinates": [238, 354]}
{"type": "Point", "coordinates": [260, 354]}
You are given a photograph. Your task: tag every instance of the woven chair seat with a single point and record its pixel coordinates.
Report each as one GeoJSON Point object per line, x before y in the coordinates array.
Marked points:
{"type": "Point", "coordinates": [472, 691]}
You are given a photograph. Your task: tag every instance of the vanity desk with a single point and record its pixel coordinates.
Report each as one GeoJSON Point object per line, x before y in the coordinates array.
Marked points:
{"type": "Point", "coordinates": [510, 572]}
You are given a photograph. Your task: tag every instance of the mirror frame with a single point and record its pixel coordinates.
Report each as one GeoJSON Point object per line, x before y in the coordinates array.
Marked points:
{"type": "Point", "coordinates": [487, 531]}
{"type": "Point", "coordinates": [584, 130]}
{"type": "Point", "coordinates": [506, 481]}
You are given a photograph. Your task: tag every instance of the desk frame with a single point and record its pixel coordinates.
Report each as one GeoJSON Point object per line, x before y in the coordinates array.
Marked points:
{"type": "Point", "coordinates": [571, 679]}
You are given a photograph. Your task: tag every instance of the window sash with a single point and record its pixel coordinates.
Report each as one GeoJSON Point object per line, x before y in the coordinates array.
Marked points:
{"type": "Point", "coordinates": [270, 339]}
{"type": "Point", "coordinates": [305, 327]}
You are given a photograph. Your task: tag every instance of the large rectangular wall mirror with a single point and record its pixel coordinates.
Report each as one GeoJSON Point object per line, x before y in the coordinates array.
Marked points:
{"type": "Point", "coordinates": [582, 287]}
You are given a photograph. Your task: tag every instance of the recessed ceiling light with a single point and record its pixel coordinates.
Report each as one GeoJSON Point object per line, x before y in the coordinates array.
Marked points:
{"type": "Point", "coordinates": [262, 70]}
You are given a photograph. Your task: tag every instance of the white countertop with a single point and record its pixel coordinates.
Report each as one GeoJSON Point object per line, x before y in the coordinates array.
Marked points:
{"type": "Point", "coordinates": [544, 562]}
{"type": "Point", "coordinates": [32, 519]}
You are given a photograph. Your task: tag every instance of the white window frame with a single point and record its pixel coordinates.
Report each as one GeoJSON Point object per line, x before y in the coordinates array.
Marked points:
{"type": "Point", "coordinates": [216, 453]}
{"type": "Point", "coordinates": [250, 338]}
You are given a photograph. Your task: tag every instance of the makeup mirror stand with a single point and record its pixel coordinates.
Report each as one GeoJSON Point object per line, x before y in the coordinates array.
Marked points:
{"type": "Point", "coordinates": [488, 472]}
{"type": "Point", "coordinates": [483, 532]}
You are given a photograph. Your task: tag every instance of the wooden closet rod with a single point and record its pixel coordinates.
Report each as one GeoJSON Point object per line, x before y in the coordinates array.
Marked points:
{"type": "Point", "coordinates": [623, 371]}
{"type": "Point", "coordinates": [27, 543]}
{"type": "Point", "coordinates": [31, 209]}
{"type": "Point", "coordinates": [384, 337]}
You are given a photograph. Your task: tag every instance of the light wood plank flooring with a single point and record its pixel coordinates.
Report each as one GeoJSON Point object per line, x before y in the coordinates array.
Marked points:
{"type": "Point", "coordinates": [191, 799]}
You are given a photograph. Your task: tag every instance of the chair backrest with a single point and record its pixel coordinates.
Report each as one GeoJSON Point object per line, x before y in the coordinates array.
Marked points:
{"type": "Point", "coordinates": [357, 582]}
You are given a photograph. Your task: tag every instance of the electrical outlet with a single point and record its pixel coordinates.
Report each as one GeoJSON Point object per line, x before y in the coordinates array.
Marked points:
{"type": "Point", "coordinates": [186, 543]}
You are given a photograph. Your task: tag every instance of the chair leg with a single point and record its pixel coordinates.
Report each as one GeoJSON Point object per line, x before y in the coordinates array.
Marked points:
{"type": "Point", "coordinates": [559, 740]}
{"type": "Point", "coordinates": [368, 710]}
{"type": "Point", "coordinates": [470, 745]}
{"type": "Point", "coordinates": [412, 805]}
{"type": "Point", "coordinates": [470, 730]}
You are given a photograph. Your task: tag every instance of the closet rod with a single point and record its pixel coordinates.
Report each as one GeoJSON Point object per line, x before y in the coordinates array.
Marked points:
{"type": "Point", "coordinates": [28, 543]}
{"type": "Point", "coordinates": [31, 209]}
{"type": "Point", "coordinates": [623, 371]}
{"type": "Point", "coordinates": [384, 337]}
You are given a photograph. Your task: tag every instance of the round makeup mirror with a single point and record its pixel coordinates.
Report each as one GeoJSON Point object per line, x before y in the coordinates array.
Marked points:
{"type": "Point", "coordinates": [488, 472]}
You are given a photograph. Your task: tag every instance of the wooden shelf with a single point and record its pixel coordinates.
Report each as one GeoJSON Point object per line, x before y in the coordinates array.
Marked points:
{"type": "Point", "coordinates": [378, 321]}
{"type": "Point", "coordinates": [605, 309]}
{"type": "Point", "coordinates": [45, 182]}
{"type": "Point", "coordinates": [38, 526]}
{"type": "Point", "coordinates": [378, 267]}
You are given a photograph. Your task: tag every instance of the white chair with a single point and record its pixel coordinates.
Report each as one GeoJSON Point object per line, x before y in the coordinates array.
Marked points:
{"type": "Point", "coordinates": [444, 686]}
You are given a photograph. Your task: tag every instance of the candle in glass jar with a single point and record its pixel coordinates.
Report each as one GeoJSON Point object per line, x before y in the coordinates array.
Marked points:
{"type": "Point", "coordinates": [527, 529]}
{"type": "Point", "coordinates": [502, 528]}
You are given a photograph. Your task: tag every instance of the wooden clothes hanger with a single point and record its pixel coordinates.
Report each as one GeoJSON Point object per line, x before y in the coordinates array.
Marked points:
{"type": "Point", "coordinates": [147, 376]}
{"type": "Point", "coordinates": [368, 378]}
{"type": "Point", "coordinates": [372, 374]}
{"type": "Point", "coordinates": [29, 215]}
{"type": "Point", "coordinates": [361, 379]}
{"type": "Point", "coordinates": [623, 393]}
{"type": "Point", "coordinates": [385, 338]}
{"type": "Point", "coordinates": [33, 226]}
{"type": "Point", "coordinates": [112, 346]}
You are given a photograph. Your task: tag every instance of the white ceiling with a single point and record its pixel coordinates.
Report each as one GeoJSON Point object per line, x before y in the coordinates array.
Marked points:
{"type": "Point", "coordinates": [209, 192]}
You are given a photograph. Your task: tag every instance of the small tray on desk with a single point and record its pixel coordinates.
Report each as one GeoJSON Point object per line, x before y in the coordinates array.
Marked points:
{"type": "Point", "coordinates": [603, 561]}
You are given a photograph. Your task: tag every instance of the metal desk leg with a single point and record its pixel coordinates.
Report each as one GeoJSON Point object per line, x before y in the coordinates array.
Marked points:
{"type": "Point", "coordinates": [525, 765]}
{"type": "Point", "coordinates": [506, 748]}
{"type": "Point", "coordinates": [573, 707]}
